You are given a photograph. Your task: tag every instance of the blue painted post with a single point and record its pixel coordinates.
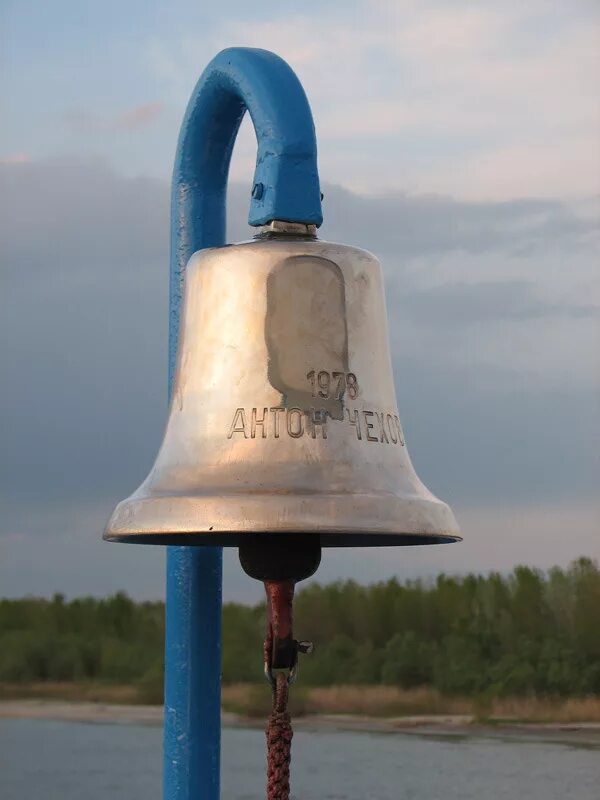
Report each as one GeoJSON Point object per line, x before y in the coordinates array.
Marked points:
{"type": "Point", "coordinates": [238, 79]}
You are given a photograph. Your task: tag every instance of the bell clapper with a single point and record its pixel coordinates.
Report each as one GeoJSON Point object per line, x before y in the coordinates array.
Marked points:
{"type": "Point", "coordinates": [280, 562]}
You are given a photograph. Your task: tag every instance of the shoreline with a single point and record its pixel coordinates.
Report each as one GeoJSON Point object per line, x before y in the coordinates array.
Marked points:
{"type": "Point", "coordinates": [451, 725]}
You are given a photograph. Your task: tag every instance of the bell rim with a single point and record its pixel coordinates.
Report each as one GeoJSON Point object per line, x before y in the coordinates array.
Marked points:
{"type": "Point", "coordinates": [344, 519]}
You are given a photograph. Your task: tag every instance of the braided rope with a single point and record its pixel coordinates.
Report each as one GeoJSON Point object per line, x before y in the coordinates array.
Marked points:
{"type": "Point", "coordinates": [279, 743]}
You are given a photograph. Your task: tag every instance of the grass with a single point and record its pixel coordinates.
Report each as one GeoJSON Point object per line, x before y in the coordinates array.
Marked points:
{"type": "Point", "coordinates": [254, 700]}
{"type": "Point", "coordinates": [535, 709]}
{"type": "Point", "coordinates": [384, 701]}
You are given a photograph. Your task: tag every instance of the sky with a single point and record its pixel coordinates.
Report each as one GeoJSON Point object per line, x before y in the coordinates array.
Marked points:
{"type": "Point", "coordinates": [459, 142]}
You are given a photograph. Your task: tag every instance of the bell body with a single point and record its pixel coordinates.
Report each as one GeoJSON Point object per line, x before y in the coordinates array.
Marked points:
{"type": "Point", "coordinates": [283, 415]}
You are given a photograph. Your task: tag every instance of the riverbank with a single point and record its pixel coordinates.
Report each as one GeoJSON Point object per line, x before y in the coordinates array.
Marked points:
{"type": "Point", "coordinates": [450, 725]}
{"type": "Point", "coordinates": [249, 701]}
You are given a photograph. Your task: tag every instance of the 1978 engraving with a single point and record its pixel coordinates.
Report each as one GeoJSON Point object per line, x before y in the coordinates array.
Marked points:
{"type": "Point", "coordinates": [333, 384]}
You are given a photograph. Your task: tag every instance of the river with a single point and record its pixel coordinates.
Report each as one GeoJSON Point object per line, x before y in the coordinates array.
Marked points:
{"type": "Point", "coordinates": [69, 761]}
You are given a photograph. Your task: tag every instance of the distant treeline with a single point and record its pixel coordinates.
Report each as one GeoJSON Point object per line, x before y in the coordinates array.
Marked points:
{"type": "Point", "coordinates": [526, 633]}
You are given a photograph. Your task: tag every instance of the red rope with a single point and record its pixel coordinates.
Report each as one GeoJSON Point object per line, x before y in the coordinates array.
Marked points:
{"type": "Point", "coordinates": [281, 656]}
{"type": "Point", "coordinates": [279, 743]}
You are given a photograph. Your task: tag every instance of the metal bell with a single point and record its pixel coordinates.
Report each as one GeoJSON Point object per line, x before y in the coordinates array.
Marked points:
{"type": "Point", "coordinates": [283, 416]}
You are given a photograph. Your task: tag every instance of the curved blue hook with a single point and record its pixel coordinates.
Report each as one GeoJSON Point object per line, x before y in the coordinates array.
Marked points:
{"type": "Point", "coordinates": [286, 180]}
{"type": "Point", "coordinates": [286, 187]}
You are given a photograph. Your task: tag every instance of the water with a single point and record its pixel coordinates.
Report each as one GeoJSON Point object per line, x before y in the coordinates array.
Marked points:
{"type": "Point", "coordinates": [68, 761]}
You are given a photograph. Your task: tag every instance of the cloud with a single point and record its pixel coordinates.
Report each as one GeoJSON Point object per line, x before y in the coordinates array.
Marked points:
{"type": "Point", "coordinates": [138, 116]}
{"type": "Point", "coordinates": [410, 225]}
{"type": "Point", "coordinates": [468, 304]}
{"type": "Point", "coordinates": [492, 320]}
{"type": "Point", "coordinates": [84, 121]}
{"type": "Point", "coordinates": [69, 218]}
{"type": "Point", "coordinates": [16, 158]}
{"type": "Point", "coordinates": [475, 100]}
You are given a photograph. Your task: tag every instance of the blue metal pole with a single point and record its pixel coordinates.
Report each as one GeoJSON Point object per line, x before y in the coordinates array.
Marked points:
{"type": "Point", "coordinates": [286, 187]}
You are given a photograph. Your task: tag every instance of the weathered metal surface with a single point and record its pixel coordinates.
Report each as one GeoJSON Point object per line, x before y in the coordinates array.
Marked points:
{"type": "Point", "coordinates": [284, 415]}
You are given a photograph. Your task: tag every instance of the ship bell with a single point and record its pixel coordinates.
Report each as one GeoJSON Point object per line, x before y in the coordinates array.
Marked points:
{"type": "Point", "coordinates": [283, 418]}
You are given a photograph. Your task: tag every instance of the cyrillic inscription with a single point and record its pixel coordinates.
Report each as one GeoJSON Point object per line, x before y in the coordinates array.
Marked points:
{"type": "Point", "coordinates": [266, 423]}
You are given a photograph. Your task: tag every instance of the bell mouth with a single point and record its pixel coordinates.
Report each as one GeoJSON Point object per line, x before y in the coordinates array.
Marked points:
{"type": "Point", "coordinates": [339, 520]}
{"type": "Point", "coordinates": [235, 538]}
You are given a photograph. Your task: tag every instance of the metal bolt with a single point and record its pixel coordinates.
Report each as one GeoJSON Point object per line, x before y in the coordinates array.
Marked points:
{"type": "Point", "coordinates": [306, 647]}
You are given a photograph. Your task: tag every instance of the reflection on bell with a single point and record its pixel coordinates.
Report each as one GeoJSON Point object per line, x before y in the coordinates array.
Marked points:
{"type": "Point", "coordinates": [283, 417]}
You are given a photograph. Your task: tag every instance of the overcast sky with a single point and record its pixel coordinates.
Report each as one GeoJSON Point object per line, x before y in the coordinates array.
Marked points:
{"type": "Point", "coordinates": [460, 142]}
